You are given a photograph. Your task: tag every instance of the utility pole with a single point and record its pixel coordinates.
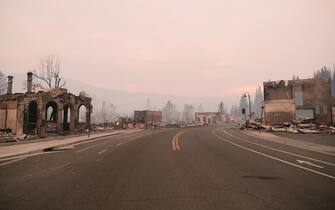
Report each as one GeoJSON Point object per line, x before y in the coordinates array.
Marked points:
{"type": "Point", "coordinates": [221, 111]}
{"type": "Point", "coordinates": [221, 108]}
{"type": "Point", "coordinates": [260, 124]}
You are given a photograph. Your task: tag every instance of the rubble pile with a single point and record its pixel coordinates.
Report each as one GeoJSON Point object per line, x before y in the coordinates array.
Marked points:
{"type": "Point", "coordinates": [298, 126]}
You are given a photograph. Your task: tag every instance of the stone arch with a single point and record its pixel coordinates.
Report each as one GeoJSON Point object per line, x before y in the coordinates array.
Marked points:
{"type": "Point", "coordinates": [51, 110]}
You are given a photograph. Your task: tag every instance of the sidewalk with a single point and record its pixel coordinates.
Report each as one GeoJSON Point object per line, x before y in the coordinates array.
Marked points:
{"type": "Point", "coordinates": [320, 148]}
{"type": "Point", "coordinates": [29, 148]}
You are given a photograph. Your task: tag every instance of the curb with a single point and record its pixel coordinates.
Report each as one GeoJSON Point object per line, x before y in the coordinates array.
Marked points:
{"type": "Point", "coordinates": [46, 149]}
{"type": "Point", "coordinates": [83, 140]}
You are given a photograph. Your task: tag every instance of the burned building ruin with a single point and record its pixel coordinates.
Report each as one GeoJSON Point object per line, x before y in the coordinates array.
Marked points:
{"type": "Point", "coordinates": [42, 113]}
{"type": "Point", "coordinates": [298, 99]}
{"type": "Point", "coordinates": [204, 118]}
{"type": "Point", "coordinates": [148, 117]}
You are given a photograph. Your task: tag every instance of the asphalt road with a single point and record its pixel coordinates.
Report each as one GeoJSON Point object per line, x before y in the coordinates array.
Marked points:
{"type": "Point", "coordinates": [194, 168]}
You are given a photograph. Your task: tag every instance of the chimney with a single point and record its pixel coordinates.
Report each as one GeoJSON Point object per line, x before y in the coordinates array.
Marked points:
{"type": "Point", "coordinates": [10, 85]}
{"type": "Point", "coordinates": [29, 81]}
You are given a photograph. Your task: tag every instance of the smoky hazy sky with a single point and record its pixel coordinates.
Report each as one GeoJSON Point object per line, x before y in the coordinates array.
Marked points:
{"type": "Point", "coordinates": [179, 47]}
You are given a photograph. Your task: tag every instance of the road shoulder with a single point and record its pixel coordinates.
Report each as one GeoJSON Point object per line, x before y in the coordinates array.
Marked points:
{"type": "Point", "coordinates": [307, 145]}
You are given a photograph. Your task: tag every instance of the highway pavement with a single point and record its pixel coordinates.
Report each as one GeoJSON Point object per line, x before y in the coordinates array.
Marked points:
{"type": "Point", "coordinates": [191, 168]}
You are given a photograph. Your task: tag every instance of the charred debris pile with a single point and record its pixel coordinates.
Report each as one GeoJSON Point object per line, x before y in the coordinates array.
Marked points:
{"type": "Point", "coordinates": [302, 126]}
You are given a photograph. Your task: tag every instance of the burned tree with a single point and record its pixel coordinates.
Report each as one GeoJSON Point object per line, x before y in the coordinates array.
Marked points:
{"type": "Point", "coordinates": [104, 111]}
{"type": "Point", "coordinates": [200, 108]}
{"type": "Point", "coordinates": [170, 113]}
{"type": "Point", "coordinates": [148, 104]}
{"type": "Point", "coordinates": [112, 112]}
{"type": "Point", "coordinates": [188, 113]}
{"type": "Point", "coordinates": [48, 73]}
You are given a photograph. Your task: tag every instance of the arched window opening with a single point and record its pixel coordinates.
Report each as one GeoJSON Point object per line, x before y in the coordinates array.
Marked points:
{"type": "Point", "coordinates": [51, 112]}
{"type": "Point", "coordinates": [82, 114]}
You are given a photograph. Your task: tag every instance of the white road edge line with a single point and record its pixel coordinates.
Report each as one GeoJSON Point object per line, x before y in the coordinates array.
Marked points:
{"type": "Point", "coordinates": [271, 157]}
{"type": "Point", "coordinates": [278, 150]}
{"type": "Point", "coordinates": [12, 161]}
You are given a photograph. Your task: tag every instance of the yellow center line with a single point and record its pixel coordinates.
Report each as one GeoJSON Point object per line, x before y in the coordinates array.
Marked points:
{"type": "Point", "coordinates": [176, 142]}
